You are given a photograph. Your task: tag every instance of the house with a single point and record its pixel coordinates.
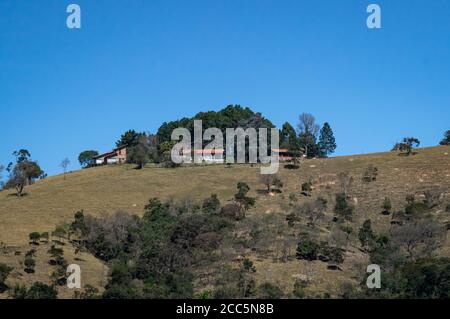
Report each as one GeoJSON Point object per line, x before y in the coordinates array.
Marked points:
{"type": "Point", "coordinates": [116, 156]}
{"type": "Point", "coordinates": [209, 155]}
{"type": "Point", "coordinates": [283, 154]}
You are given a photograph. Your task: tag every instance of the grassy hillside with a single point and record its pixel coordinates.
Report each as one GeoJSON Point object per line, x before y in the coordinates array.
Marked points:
{"type": "Point", "coordinates": [105, 190]}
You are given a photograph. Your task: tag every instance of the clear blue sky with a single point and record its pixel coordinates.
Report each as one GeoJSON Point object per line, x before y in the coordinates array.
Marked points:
{"type": "Point", "coordinates": [136, 63]}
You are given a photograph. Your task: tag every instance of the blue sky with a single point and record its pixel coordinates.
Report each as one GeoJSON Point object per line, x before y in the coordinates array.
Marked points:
{"type": "Point", "coordinates": [136, 63]}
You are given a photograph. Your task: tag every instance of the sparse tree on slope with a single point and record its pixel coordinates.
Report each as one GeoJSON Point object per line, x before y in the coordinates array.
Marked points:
{"type": "Point", "coordinates": [64, 164]}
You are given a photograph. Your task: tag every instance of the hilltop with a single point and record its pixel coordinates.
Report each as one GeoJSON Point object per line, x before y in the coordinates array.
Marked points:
{"type": "Point", "coordinates": [108, 189]}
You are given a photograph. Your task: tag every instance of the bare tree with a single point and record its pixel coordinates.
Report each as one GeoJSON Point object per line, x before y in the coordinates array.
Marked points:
{"type": "Point", "coordinates": [307, 124]}
{"type": "Point", "coordinates": [17, 180]}
{"type": "Point", "coordinates": [345, 181]}
{"type": "Point", "coordinates": [270, 180]}
{"type": "Point", "coordinates": [420, 238]}
{"type": "Point", "coordinates": [64, 164]}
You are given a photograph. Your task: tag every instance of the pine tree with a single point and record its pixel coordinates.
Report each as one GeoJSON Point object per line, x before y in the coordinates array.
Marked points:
{"type": "Point", "coordinates": [327, 142]}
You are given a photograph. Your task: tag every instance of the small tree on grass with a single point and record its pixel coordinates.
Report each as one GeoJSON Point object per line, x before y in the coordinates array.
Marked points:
{"type": "Point", "coordinates": [366, 235]}
{"type": "Point", "coordinates": [270, 180]}
{"type": "Point", "coordinates": [34, 238]}
{"type": "Point", "coordinates": [64, 164]}
{"type": "Point", "coordinates": [343, 209]}
{"type": "Point", "coordinates": [241, 196]}
{"type": "Point", "coordinates": [370, 174]}
{"type": "Point", "coordinates": [211, 205]}
{"type": "Point", "coordinates": [387, 206]}
{"type": "Point", "coordinates": [306, 188]}
{"type": "Point", "coordinates": [407, 145]}
{"type": "Point", "coordinates": [41, 291]}
{"type": "Point", "coordinates": [29, 264]}
{"type": "Point", "coordinates": [86, 158]}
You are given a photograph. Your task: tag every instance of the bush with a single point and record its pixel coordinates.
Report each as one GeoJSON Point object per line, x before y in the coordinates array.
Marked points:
{"type": "Point", "coordinates": [34, 237]}
{"type": "Point", "coordinates": [370, 174]}
{"type": "Point", "coordinates": [307, 249]}
{"type": "Point", "coordinates": [241, 196]}
{"type": "Point", "coordinates": [432, 198]}
{"type": "Point", "coordinates": [4, 273]}
{"type": "Point", "coordinates": [299, 288]}
{"type": "Point", "coordinates": [306, 188]}
{"type": "Point", "coordinates": [387, 206]}
{"type": "Point", "coordinates": [268, 290]}
{"type": "Point", "coordinates": [211, 205]}
{"type": "Point", "coordinates": [41, 291]}
{"type": "Point", "coordinates": [29, 264]}
{"type": "Point", "coordinates": [343, 209]}
{"type": "Point", "coordinates": [233, 210]}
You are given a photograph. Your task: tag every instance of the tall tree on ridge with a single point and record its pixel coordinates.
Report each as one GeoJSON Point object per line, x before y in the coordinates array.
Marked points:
{"type": "Point", "coordinates": [327, 142]}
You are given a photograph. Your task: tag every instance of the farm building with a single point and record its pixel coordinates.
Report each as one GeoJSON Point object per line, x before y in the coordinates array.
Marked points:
{"type": "Point", "coordinates": [116, 156]}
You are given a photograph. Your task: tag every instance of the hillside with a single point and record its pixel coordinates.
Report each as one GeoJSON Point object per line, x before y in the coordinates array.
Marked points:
{"type": "Point", "coordinates": [105, 190]}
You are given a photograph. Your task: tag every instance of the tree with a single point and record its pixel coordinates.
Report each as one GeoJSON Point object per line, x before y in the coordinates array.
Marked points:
{"type": "Point", "coordinates": [241, 196]}
{"type": "Point", "coordinates": [18, 179]}
{"type": "Point", "coordinates": [86, 158]}
{"type": "Point", "coordinates": [41, 291]}
{"type": "Point", "coordinates": [366, 235]}
{"type": "Point", "coordinates": [270, 180]}
{"type": "Point", "coordinates": [308, 130]}
{"type": "Point", "coordinates": [446, 139]}
{"type": "Point", "coordinates": [143, 151]}
{"type": "Point", "coordinates": [407, 144]}
{"type": "Point", "coordinates": [24, 172]}
{"type": "Point", "coordinates": [343, 209]}
{"type": "Point", "coordinates": [345, 182]}
{"type": "Point", "coordinates": [1, 170]}
{"type": "Point", "coordinates": [129, 138]}
{"type": "Point", "coordinates": [34, 237]}
{"type": "Point", "coordinates": [419, 238]}
{"type": "Point", "coordinates": [327, 142]}
{"type": "Point", "coordinates": [64, 164]}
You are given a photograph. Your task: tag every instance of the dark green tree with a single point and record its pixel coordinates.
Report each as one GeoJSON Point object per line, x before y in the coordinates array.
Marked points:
{"type": "Point", "coordinates": [327, 142]}
{"type": "Point", "coordinates": [366, 235]}
{"type": "Point", "coordinates": [86, 158]}
{"type": "Point", "coordinates": [446, 139]}
{"type": "Point", "coordinates": [407, 144]}
{"type": "Point", "coordinates": [129, 138]}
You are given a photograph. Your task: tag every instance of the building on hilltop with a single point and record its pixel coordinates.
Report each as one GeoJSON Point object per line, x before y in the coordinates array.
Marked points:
{"type": "Point", "coordinates": [116, 156]}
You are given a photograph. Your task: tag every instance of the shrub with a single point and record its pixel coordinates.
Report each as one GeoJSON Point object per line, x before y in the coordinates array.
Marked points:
{"type": "Point", "coordinates": [270, 180]}
{"type": "Point", "coordinates": [41, 291]}
{"type": "Point", "coordinates": [34, 237]}
{"type": "Point", "coordinates": [4, 273]}
{"type": "Point", "coordinates": [241, 196]}
{"type": "Point", "coordinates": [432, 198]}
{"type": "Point", "coordinates": [29, 264]}
{"type": "Point", "coordinates": [307, 249]}
{"type": "Point", "coordinates": [343, 209]}
{"type": "Point", "coordinates": [447, 208]}
{"type": "Point", "coordinates": [299, 288]}
{"type": "Point", "coordinates": [268, 290]}
{"type": "Point", "coordinates": [387, 206]}
{"type": "Point", "coordinates": [233, 210]}
{"type": "Point", "coordinates": [370, 174]}
{"type": "Point", "coordinates": [211, 204]}
{"type": "Point", "coordinates": [306, 188]}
